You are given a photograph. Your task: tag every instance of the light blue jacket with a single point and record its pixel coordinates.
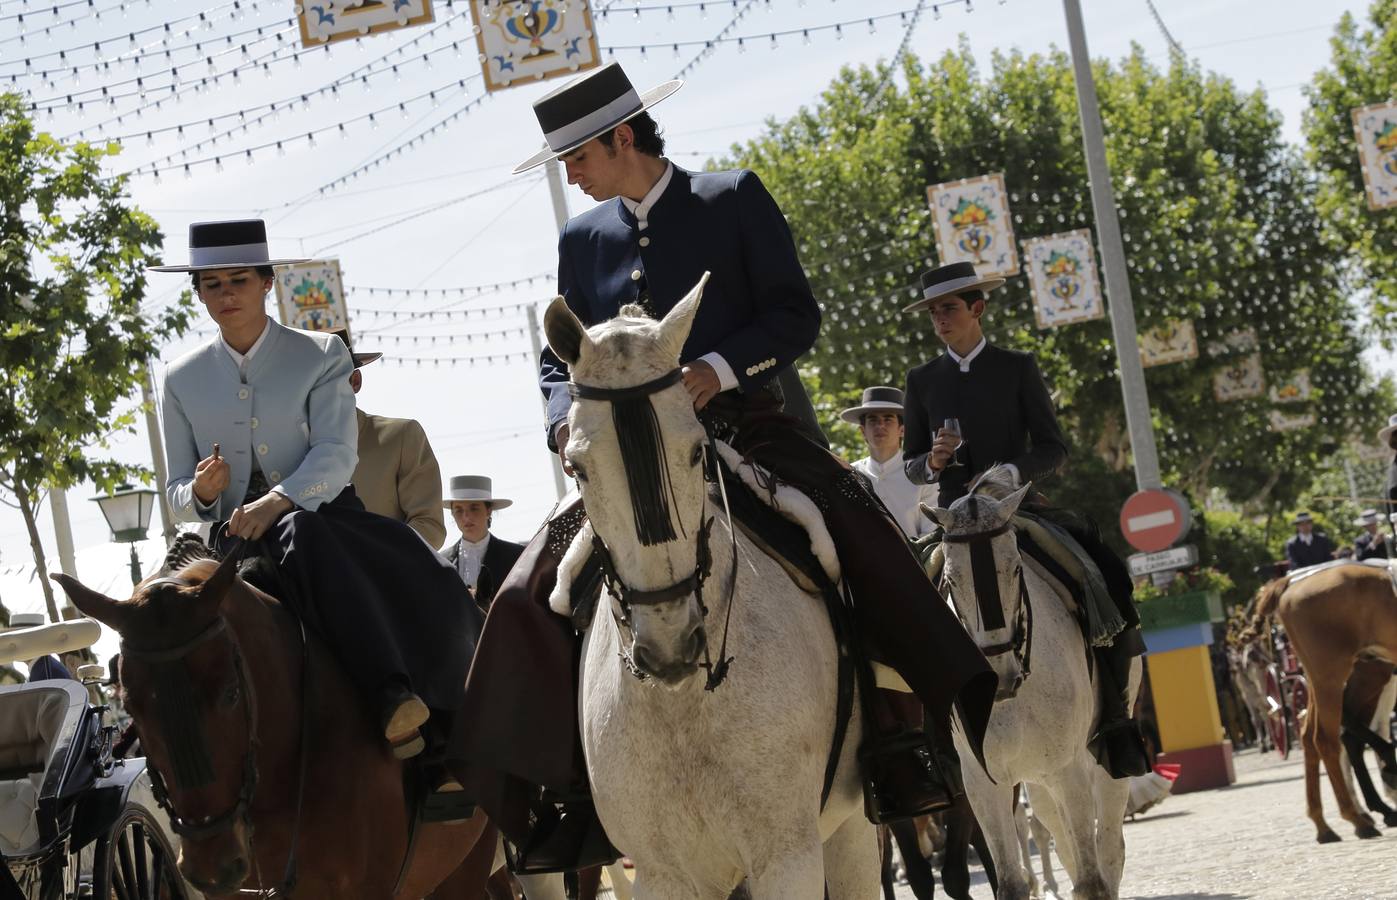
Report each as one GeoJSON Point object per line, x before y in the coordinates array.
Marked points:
{"type": "Point", "coordinates": [295, 412]}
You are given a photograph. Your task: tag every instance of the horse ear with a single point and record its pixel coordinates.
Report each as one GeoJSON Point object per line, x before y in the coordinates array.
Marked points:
{"type": "Point", "coordinates": [216, 587]}
{"type": "Point", "coordinates": [674, 329]}
{"type": "Point", "coordinates": [566, 336]}
{"type": "Point", "coordinates": [1011, 502]}
{"type": "Point", "coordinates": [112, 613]}
{"type": "Point", "coordinates": [938, 514]}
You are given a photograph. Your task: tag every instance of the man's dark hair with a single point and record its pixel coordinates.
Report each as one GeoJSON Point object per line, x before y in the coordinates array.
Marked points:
{"type": "Point", "coordinates": [863, 419]}
{"type": "Point", "coordinates": [971, 296]}
{"type": "Point", "coordinates": [262, 272]}
{"type": "Point", "coordinates": [648, 139]}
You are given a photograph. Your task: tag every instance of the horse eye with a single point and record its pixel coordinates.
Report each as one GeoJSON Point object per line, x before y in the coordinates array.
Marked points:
{"type": "Point", "coordinates": [697, 456]}
{"type": "Point", "coordinates": [231, 695]}
{"type": "Point", "coordinates": [577, 470]}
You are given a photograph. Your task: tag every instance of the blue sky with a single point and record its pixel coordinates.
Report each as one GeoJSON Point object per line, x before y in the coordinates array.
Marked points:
{"type": "Point", "coordinates": [445, 213]}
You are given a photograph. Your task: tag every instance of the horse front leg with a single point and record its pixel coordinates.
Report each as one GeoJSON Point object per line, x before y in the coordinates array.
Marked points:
{"type": "Point", "coordinates": [993, 807]}
{"type": "Point", "coordinates": [1073, 791]}
{"type": "Point", "coordinates": [1356, 770]}
{"type": "Point", "coordinates": [796, 875]}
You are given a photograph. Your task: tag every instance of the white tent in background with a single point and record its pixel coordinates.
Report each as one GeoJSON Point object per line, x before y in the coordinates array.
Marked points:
{"type": "Point", "coordinates": [105, 567]}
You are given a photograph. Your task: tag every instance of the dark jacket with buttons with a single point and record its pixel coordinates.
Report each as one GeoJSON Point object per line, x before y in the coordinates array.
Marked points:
{"type": "Point", "coordinates": [757, 312]}
{"type": "Point", "coordinates": [1006, 416]}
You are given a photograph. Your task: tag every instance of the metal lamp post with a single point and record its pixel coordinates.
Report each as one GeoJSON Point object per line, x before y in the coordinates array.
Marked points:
{"type": "Point", "coordinates": [127, 511]}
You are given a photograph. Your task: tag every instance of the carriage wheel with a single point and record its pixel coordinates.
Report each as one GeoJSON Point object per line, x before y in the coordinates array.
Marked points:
{"type": "Point", "coordinates": [134, 861]}
{"type": "Point", "coordinates": [1277, 714]}
{"type": "Point", "coordinates": [1298, 697]}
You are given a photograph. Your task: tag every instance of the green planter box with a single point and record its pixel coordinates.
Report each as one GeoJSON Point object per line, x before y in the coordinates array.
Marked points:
{"type": "Point", "coordinates": [1192, 608]}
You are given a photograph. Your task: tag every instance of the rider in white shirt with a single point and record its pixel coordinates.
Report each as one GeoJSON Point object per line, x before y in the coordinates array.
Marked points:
{"type": "Point", "coordinates": [879, 417]}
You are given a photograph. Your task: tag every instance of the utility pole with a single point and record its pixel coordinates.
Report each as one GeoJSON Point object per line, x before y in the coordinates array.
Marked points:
{"type": "Point", "coordinates": [552, 170]}
{"type": "Point", "coordinates": [1108, 232]}
{"type": "Point", "coordinates": [63, 537]}
{"type": "Point", "coordinates": [157, 453]}
{"type": "Point", "coordinates": [559, 479]}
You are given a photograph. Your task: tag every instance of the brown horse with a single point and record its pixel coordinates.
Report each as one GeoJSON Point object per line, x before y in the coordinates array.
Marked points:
{"type": "Point", "coordinates": [1333, 619]}
{"type": "Point", "coordinates": [252, 772]}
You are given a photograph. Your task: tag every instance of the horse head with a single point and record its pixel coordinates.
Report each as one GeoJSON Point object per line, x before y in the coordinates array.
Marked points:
{"type": "Point", "coordinates": [984, 573]}
{"type": "Point", "coordinates": [184, 683]}
{"type": "Point", "coordinates": [637, 449]}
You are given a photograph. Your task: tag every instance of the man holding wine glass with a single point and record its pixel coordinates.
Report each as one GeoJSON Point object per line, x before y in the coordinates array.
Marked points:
{"type": "Point", "coordinates": [978, 405]}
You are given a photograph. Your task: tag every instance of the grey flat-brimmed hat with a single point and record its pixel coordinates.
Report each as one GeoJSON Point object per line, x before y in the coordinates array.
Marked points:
{"type": "Point", "coordinates": [875, 399]}
{"type": "Point", "coordinates": [1302, 518]}
{"type": "Point", "coordinates": [232, 244]}
{"type": "Point", "coordinates": [1385, 433]}
{"type": "Point", "coordinates": [953, 278]}
{"type": "Point", "coordinates": [473, 487]}
{"type": "Point", "coordinates": [1367, 517]}
{"type": "Point", "coordinates": [589, 106]}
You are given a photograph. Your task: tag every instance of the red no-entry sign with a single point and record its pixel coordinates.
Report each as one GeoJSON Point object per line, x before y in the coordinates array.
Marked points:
{"type": "Point", "coordinates": [1153, 520]}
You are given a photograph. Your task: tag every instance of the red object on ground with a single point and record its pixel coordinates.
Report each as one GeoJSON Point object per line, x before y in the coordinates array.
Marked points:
{"type": "Point", "coordinates": [1200, 769]}
{"type": "Point", "coordinates": [1168, 770]}
{"type": "Point", "coordinates": [1154, 519]}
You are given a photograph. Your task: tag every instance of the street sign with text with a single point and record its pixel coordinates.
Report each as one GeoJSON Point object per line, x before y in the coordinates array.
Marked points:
{"type": "Point", "coordinates": [1163, 561]}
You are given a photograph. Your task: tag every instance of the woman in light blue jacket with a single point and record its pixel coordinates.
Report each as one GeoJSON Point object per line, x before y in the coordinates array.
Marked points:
{"type": "Point", "coordinates": [261, 439]}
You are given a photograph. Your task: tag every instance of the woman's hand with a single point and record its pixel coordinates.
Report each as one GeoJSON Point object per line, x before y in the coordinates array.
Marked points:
{"type": "Point", "coordinates": [211, 477]}
{"type": "Point", "coordinates": [250, 522]}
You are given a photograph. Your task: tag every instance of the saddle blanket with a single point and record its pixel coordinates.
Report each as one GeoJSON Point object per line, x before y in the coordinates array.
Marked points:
{"type": "Point", "coordinates": [1389, 565]}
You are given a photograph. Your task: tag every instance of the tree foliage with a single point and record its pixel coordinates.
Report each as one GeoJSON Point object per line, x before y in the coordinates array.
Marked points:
{"type": "Point", "coordinates": [73, 253]}
{"type": "Point", "coordinates": [1218, 218]}
{"type": "Point", "coordinates": [1362, 72]}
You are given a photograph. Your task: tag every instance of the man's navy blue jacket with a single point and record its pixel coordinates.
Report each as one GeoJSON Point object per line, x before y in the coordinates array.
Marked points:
{"type": "Point", "coordinates": [757, 312]}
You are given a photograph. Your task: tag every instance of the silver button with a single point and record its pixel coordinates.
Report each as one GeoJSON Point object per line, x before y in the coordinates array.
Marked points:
{"type": "Point", "coordinates": [262, 449]}
{"type": "Point", "coordinates": [645, 242]}
{"type": "Point", "coordinates": [635, 275]}
{"type": "Point", "coordinates": [254, 421]}
{"type": "Point", "coordinates": [242, 394]}
{"type": "Point", "coordinates": [276, 476]}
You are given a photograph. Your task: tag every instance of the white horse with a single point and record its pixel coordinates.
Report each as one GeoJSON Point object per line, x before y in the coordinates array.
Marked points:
{"type": "Point", "coordinates": [700, 788]}
{"type": "Point", "coordinates": [1040, 724]}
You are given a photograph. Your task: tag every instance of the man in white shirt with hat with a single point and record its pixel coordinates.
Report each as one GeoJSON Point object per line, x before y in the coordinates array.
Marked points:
{"type": "Point", "coordinates": [1388, 438]}
{"type": "Point", "coordinates": [879, 417]}
{"type": "Point", "coordinates": [481, 559]}
{"type": "Point", "coordinates": [1372, 543]}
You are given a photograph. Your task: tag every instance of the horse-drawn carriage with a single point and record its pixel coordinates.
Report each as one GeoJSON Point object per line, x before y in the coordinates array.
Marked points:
{"type": "Point", "coordinates": [74, 821]}
{"type": "Point", "coordinates": [1287, 694]}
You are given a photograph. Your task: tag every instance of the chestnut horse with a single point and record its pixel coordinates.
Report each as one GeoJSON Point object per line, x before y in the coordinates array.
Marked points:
{"type": "Point", "coordinates": [253, 772]}
{"type": "Point", "coordinates": [1334, 618]}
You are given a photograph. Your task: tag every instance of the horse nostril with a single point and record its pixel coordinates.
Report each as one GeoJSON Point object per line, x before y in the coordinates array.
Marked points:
{"type": "Point", "coordinates": [694, 646]}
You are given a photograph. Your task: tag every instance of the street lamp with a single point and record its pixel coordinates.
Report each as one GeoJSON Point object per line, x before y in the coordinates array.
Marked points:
{"type": "Point", "coordinates": [127, 510]}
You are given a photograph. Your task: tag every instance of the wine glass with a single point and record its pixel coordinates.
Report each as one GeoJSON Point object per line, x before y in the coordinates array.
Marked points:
{"type": "Point", "coordinates": [952, 426]}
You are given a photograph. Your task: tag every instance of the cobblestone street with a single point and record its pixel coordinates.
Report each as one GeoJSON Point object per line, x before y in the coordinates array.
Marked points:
{"type": "Point", "coordinates": [1251, 840]}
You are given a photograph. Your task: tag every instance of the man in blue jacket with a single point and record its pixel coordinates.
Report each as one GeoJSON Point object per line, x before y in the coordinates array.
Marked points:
{"type": "Point", "coordinates": [655, 231]}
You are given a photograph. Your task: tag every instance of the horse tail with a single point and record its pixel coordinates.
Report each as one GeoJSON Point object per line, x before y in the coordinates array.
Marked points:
{"type": "Point", "coordinates": [1266, 602]}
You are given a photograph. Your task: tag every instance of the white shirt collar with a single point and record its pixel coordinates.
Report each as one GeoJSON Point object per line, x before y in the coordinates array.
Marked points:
{"type": "Point", "coordinates": [641, 209]}
{"type": "Point", "coordinates": [1306, 538]}
{"type": "Point", "coordinates": [238, 358]}
{"type": "Point", "coordinates": [893, 464]}
{"type": "Point", "coordinates": [475, 546]}
{"type": "Point", "coordinates": [964, 362]}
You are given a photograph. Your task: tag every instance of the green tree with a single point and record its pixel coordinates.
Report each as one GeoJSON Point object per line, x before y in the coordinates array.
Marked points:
{"type": "Point", "coordinates": [1218, 217]}
{"type": "Point", "coordinates": [73, 252]}
{"type": "Point", "coordinates": [1362, 72]}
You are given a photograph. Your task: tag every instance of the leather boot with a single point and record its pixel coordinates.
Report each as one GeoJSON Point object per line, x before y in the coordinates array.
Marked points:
{"type": "Point", "coordinates": [908, 770]}
{"type": "Point", "coordinates": [567, 835]}
{"type": "Point", "coordinates": [1117, 744]}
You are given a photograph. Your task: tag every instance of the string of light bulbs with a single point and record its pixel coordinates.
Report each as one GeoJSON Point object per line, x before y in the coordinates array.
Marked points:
{"type": "Point", "coordinates": [358, 74]}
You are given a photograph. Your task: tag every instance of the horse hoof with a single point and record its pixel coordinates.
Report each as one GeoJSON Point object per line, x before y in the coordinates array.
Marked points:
{"type": "Point", "coordinates": [1327, 836]}
{"type": "Point", "coordinates": [1367, 832]}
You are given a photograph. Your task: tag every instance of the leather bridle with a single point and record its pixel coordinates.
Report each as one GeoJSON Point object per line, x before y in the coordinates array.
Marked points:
{"type": "Point", "coordinates": [1020, 643]}
{"type": "Point", "coordinates": [215, 825]}
{"type": "Point", "coordinates": [629, 597]}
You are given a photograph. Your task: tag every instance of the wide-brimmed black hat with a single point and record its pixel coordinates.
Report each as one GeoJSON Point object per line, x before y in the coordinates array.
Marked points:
{"type": "Point", "coordinates": [589, 106]}
{"type": "Point", "coordinates": [954, 278]}
{"type": "Point", "coordinates": [360, 359]}
{"type": "Point", "coordinates": [234, 244]}
{"type": "Point", "coordinates": [875, 400]}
